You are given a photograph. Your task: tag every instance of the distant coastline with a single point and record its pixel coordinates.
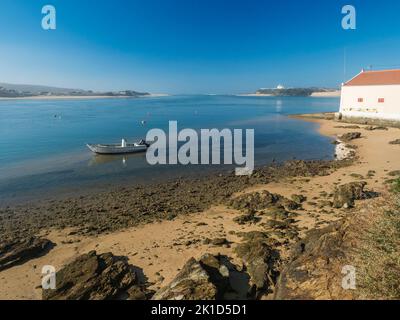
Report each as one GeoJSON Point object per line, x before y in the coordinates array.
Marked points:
{"type": "Point", "coordinates": [70, 97]}
{"type": "Point", "coordinates": [10, 91]}
{"type": "Point", "coordinates": [293, 92]}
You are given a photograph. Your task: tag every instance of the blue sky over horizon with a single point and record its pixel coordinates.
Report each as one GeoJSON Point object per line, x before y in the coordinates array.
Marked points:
{"type": "Point", "coordinates": [194, 46]}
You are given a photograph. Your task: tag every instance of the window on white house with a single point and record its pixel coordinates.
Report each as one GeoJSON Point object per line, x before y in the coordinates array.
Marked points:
{"type": "Point", "coordinates": [360, 99]}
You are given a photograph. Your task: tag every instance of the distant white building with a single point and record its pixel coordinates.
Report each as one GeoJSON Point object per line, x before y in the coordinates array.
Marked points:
{"type": "Point", "coordinates": [280, 87]}
{"type": "Point", "coordinates": [372, 95]}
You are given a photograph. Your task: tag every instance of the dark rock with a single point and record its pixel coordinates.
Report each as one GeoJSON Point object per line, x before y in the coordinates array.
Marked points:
{"type": "Point", "coordinates": [289, 204]}
{"type": "Point", "coordinates": [18, 252]}
{"type": "Point", "coordinates": [255, 201]}
{"type": "Point", "coordinates": [247, 218]}
{"type": "Point", "coordinates": [397, 141]}
{"type": "Point", "coordinates": [219, 241]}
{"type": "Point", "coordinates": [395, 173]}
{"type": "Point", "coordinates": [260, 260]}
{"type": "Point", "coordinates": [96, 277]}
{"type": "Point", "coordinates": [345, 195]}
{"type": "Point", "coordinates": [373, 128]}
{"type": "Point", "coordinates": [314, 265]}
{"type": "Point", "coordinates": [277, 213]}
{"type": "Point", "coordinates": [262, 200]}
{"type": "Point", "coordinates": [348, 127]}
{"type": "Point", "coordinates": [350, 136]}
{"type": "Point", "coordinates": [276, 225]}
{"type": "Point", "coordinates": [206, 279]}
{"type": "Point", "coordinates": [298, 198]}
{"type": "Point", "coordinates": [136, 293]}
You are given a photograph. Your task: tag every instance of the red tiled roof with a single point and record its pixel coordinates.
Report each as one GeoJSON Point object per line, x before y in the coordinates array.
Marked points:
{"type": "Point", "coordinates": [374, 78]}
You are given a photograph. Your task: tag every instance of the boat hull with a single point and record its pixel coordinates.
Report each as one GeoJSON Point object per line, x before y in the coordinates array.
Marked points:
{"type": "Point", "coordinates": [116, 149]}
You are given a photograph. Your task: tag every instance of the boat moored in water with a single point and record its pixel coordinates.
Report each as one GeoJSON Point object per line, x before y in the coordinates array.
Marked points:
{"type": "Point", "coordinates": [122, 148]}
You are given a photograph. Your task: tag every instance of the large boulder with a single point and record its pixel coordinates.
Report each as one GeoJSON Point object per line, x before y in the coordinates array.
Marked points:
{"type": "Point", "coordinates": [260, 260]}
{"type": "Point", "coordinates": [96, 277]}
{"type": "Point", "coordinates": [206, 279]}
{"type": "Point", "coordinates": [315, 263]}
{"type": "Point", "coordinates": [17, 252]}
{"type": "Point", "coordinates": [345, 195]}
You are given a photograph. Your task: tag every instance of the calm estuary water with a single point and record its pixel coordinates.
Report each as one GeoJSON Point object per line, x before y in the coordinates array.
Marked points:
{"type": "Point", "coordinates": [43, 152]}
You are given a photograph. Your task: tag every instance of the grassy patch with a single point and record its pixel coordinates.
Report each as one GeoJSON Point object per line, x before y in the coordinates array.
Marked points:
{"type": "Point", "coordinates": [379, 277]}
{"type": "Point", "coordinates": [396, 186]}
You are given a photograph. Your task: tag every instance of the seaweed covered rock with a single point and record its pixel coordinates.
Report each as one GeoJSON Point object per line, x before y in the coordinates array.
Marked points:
{"type": "Point", "coordinates": [96, 277]}
{"type": "Point", "coordinates": [298, 198]}
{"type": "Point", "coordinates": [276, 213]}
{"type": "Point", "coordinates": [345, 195]}
{"type": "Point", "coordinates": [17, 252]}
{"type": "Point", "coordinates": [350, 136]}
{"type": "Point", "coordinates": [249, 218]}
{"type": "Point", "coordinates": [262, 200]}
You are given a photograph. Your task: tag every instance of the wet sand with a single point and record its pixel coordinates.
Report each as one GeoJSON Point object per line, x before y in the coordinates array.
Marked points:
{"type": "Point", "coordinates": [160, 246]}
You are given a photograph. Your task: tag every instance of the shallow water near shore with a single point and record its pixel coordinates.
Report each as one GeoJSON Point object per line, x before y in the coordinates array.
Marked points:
{"type": "Point", "coordinates": [43, 152]}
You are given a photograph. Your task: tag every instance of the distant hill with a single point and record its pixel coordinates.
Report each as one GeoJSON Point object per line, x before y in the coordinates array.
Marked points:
{"type": "Point", "coordinates": [8, 90]}
{"type": "Point", "coordinates": [294, 92]}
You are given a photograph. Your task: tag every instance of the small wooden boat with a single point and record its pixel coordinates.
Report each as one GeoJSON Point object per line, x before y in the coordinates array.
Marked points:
{"type": "Point", "coordinates": [122, 148]}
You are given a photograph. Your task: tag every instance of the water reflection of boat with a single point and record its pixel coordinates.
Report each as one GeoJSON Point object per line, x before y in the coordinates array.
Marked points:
{"type": "Point", "coordinates": [122, 148]}
{"type": "Point", "coordinates": [100, 159]}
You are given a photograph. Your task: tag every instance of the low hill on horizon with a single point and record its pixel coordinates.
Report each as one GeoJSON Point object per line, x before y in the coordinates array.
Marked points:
{"type": "Point", "coordinates": [8, 90]}
{"type": "Point", "coordinates": [295, 92]}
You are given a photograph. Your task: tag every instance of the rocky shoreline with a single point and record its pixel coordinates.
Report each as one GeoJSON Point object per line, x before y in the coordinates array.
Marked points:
{"type": "Point", "coordinates": [126, 207]}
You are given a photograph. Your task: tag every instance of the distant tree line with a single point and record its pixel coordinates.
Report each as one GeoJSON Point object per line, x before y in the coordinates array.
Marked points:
{"type": "Point", "coordinates": [293, 92]}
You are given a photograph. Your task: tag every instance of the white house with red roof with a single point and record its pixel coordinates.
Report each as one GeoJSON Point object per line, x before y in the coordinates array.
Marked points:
{"type": "Point", "coordinates": [373, 95]}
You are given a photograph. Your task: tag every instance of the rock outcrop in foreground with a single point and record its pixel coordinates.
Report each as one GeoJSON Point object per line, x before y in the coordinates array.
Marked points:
{"type": "Point", "coordinates": [314, 270]}
{"type": "Point", "coordinates": [206, 279]}
{"type": "Point", "coordinates": [260, 261]}
{"type": "Point", "coordinates": [346, 194]}
{"type": "Point", "coordinates": [215, 278]}
{"type": "Point", "coordinates": [19, 252]}
{"type": "Point", "coordinates": [96, 277]}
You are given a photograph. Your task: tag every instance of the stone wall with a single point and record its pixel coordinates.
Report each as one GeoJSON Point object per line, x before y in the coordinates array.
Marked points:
{"type": "Point", "coordinates": [370, 121]}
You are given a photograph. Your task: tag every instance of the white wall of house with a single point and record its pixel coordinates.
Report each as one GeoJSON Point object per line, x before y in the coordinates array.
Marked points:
{"type": "Point", "coordinates": [363, 101]}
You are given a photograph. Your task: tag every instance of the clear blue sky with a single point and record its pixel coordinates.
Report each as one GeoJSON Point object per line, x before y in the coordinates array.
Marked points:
{"type": "Point", "coordinates": [194, 46]}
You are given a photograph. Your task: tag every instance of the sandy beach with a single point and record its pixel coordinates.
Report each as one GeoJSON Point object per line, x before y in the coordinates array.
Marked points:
{"type": "Point", "coordinates": [160, 249]}
{"type": "Point", "coordinates": [327, 94]}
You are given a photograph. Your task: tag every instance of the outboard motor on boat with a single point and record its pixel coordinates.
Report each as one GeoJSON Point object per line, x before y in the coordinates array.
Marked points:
{"type": "Point", "coordinates": [143, 143]}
